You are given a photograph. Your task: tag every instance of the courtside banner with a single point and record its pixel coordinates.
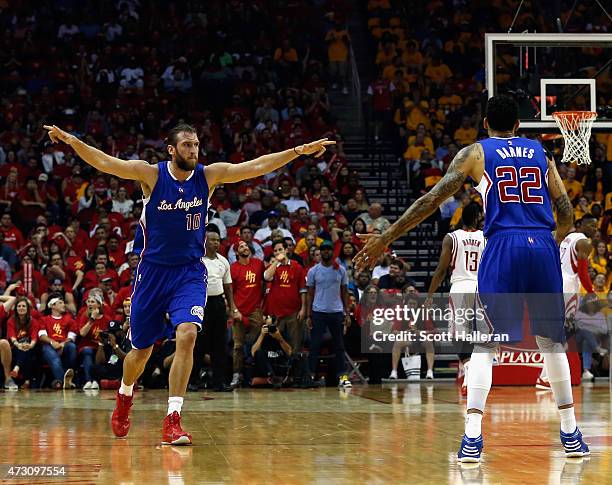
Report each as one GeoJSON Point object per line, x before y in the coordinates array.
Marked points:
{"type": "Point", "coordinates": [393, 321]}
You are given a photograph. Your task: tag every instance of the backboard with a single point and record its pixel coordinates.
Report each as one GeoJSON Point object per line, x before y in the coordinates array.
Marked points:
{"type": "Point", "coordinates": [552, 72]}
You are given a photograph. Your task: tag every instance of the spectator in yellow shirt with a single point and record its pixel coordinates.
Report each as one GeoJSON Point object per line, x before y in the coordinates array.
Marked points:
{"type": "Point", "coordinates": [338, 42]}
{"type": "Point", "coordinates": [285, 54]}
{"type": "Point", "coordinates": [581, 209]}
{"type": "Point", "coordinates": [412, 57]}
{"type": "Point", "coordinates": [428, 142]}
{"type": "Point", "coordinates": [449, 101]}
{"type": "Point", "coordinates": [417, 116]}
{"type": "Point", "coordinates": [466, 133]}
{"type": "Point", "coordinates": [390, 70]}
{"type": "Point", "coordinates": [438, 72]}
{"type": "Point", "coordinates": [456, 219]}
{"type": "Point", "coordinates": [413, 152]}
{"type": "Point", "coordinates": [572, 186]}
{"type": "Point", "coordinates": [386, 54]}
{"type": "Point", "coordinates": [599, 258]}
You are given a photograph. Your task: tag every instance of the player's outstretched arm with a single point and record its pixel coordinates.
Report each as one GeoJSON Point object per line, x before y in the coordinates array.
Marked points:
{"type": "Point", "coordinates": [466, 162]}
{"type": "Point", "coordinates": [561, 202]}
{"type": "Point", "coordinates": [132, 170]}
{"type": "Point", "coordinates": [220, 173]}
{"type": "Point", "coordinates": [443, 264]}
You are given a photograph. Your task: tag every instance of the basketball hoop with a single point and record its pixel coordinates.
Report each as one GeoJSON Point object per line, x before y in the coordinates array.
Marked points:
{"type": "Point", "coordinates": [575, 127]}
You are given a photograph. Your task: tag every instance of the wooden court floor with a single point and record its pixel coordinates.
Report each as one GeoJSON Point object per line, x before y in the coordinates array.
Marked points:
{"type": "Point", "coordinates": [402, 433]}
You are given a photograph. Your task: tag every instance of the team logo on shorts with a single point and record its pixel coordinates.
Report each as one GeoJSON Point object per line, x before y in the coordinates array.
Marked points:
{"type": "Point", "coordinates": [198, 311]}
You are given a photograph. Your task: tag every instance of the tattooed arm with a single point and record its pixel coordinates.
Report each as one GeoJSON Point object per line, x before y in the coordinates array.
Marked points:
{"type": "Point", "coordinates": [453, 180]}
{"type": "Point", "coordinates": [561, 202]}
{"type": "Point", "coordinates": [468, 162]}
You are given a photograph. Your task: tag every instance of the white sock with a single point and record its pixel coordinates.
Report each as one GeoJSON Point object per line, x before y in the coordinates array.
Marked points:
{"type": "Point", "coordinates": [126, 390]}
{"type": "Point", "coordinates": [174, 404]}
{"type": "Point", "coordinates": [393, 373]}
{"type": "Point", "coordinates": [568, 420]}
{"type": "Point", "coordinates": [558, 370]}
{"type": "Point", "coordinates": [479, 379]}
{"type": "Point", "coordinates": [473, 425]}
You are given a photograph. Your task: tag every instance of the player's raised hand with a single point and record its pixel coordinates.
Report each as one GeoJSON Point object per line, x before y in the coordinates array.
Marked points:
{"type": "Point", "coordinates": [316, 147]}
{"type": "Point", "coordinates": [367, 257]}
{"type": "Point", "coordinates": [56, 134]}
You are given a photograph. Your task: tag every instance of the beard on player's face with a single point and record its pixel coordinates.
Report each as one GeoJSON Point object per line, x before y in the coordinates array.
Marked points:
{"type": "Point", "coordinates": [183, 163]}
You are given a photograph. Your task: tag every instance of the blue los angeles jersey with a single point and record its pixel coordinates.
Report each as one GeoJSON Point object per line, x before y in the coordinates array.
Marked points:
{"type": "Point", "coordinates": [514, 186]}
{"type": "Point", "coordinates": [174, 217]}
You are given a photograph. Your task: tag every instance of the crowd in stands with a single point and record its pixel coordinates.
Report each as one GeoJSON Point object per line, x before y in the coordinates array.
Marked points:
{"type": "Point", "coordinates": [251, 77]}
{"type": "Point", "coordinates": [427, 97]}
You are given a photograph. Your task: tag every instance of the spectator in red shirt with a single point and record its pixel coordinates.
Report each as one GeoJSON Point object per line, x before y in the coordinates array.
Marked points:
{"type": "Point", "coordinates": [33, 282]}
{"type": "Point", "coordinates": [126, 270]}
{"type": "Point", "coordinates": [299, 227]}
{"type": "Point", "coordinates": [100, 238]}
{"type": "Point", "coordinates": [286, 299]}
{"type": "Point", "coordinates": [75, 271]}
{"type": "Point", "coordinates": [247, 283]}
{"type": "Point", "coordinates": [56, 286]}
{"type": "Point", "coordinates": [116, 250]}
{"type": "Point", "coordinates": [93, 277]}
{"type": "Point", "coordinates": [10, 191]}
{"type": "Point", "coordinates": [5, 347]}
{"type": "Point", "coordinates": [12, 235]}
{"type": "Point", "coordinates": [57, 336]}
{"type": "Point", "coordinates": [55, 270]}
{"type": "Point", "coordinates": [90, 326]}
{"type": "Point", "coordinates": [22, 331]}
{"type": "Point", "coordinates": [31, 204]}
{"type": "Point", "coordinates": [380, 93]}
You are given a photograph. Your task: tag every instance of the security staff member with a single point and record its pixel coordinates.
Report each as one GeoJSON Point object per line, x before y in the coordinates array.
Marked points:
{"type": "Point", "coordinates": [214, 335]}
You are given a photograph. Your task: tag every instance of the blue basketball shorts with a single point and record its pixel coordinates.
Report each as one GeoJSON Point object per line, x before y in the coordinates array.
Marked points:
{"type": "Point", "coordinates": [519, 276]}
{"type": "Point", "coordinates": [163, 298]}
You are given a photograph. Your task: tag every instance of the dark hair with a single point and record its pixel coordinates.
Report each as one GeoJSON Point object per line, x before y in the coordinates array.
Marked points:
{"type": "Point", "coordinates": [172, 137]}
{"type": "Point", "coordinates": [213, 228]}
{"type": "Point", "coordinates": [279, 241]}
{"type": "Point", "coordinates": [25, 325]}
{"type": "Point", "coordinates": [502, 112]}
{"type": "Point", "coordinates": [588, 217]}
{"type": "Point", "coordinates": [470, 215]}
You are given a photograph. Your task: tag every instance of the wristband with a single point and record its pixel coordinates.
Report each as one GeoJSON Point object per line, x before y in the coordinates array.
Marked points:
{"type": "Point", "coordinates": [296, 152]}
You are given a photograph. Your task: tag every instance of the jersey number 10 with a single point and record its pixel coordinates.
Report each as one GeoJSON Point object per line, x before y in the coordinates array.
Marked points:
{"type": "Point", "coordinates": [193, 221]}
{"type": "Point", "coordinates": [530, 179]}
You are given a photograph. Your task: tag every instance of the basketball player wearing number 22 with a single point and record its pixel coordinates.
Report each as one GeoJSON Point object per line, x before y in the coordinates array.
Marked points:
{"type": "Point", "coordinates": [171, 277]}
{"type": "Point", "coordinates": [521, 260]}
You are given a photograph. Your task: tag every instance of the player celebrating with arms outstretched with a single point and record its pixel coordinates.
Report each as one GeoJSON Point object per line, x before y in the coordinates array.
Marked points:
{"type": "Point", "coordinates": [171, 277]}
{"type": "Point", "coordinates": [517, 183]}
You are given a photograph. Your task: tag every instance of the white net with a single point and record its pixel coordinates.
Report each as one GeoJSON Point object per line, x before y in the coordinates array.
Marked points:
{"type": "Point", "coordinates": [575, 127]}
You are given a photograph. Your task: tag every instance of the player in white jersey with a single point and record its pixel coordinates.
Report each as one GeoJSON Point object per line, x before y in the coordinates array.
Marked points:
{"type": "Point", "coordinates": [461, 252]}
{"type": "Point", "coordinates": [575, 250]}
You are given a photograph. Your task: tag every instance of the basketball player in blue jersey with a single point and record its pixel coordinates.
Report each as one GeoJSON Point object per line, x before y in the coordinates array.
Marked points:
{"type": "Point", "coordinates": [171, 277]}
{"type": "Point", "coordinates": [517, 183]}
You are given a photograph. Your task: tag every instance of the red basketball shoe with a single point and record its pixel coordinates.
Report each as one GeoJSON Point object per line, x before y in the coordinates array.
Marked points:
{"type": "Point", "coordinates": [172, 431]}
{"type": "Point", "coordinates": [121, 415]}
{"type": "Point", "coordinates": [543, 384]}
